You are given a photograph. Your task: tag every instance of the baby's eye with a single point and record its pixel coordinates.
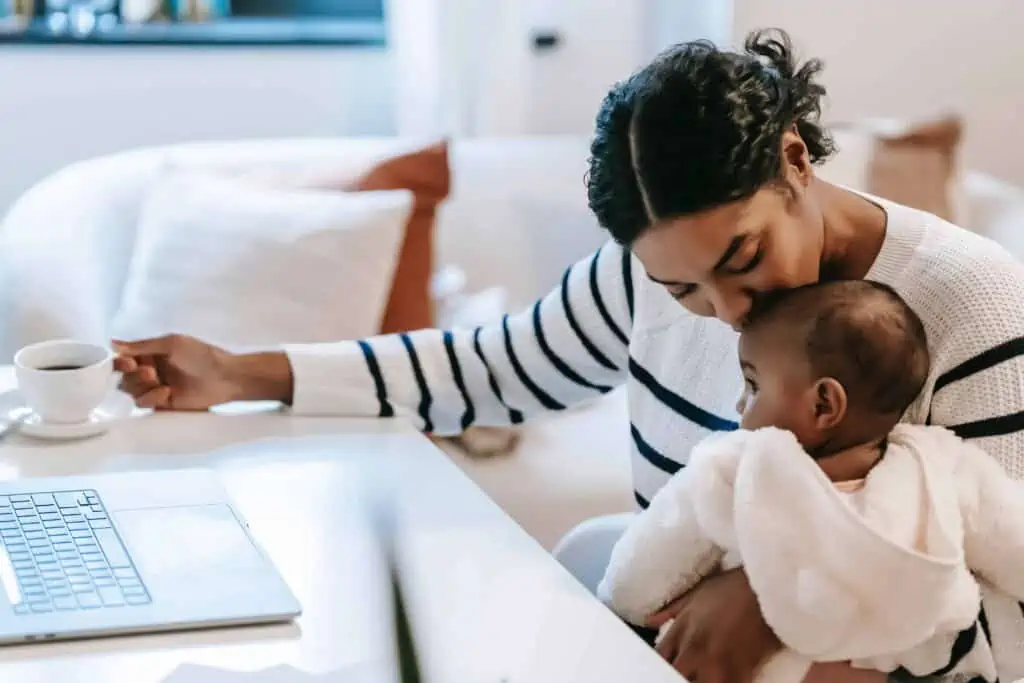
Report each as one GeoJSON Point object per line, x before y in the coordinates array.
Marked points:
{"type": "Point", "coordinates": [751, 385]}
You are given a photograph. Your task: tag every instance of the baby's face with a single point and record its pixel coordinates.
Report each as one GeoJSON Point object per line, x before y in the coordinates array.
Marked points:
{"type": "Point", "coordinates": [778, 390]}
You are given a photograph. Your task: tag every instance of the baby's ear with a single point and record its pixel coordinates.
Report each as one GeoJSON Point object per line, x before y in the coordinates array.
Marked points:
{"type": "Point", "coordinates": [829, 403]}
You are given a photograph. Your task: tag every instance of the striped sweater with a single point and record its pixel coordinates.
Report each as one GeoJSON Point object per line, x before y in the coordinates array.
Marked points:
{"type": "Point", "coordinates": [607, 324]}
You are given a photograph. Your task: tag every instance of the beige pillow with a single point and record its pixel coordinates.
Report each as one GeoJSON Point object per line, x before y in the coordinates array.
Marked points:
{"type": "Point", "coordinates": [247, 266]}
{"type": "Point", "coordinates": [911, 163]}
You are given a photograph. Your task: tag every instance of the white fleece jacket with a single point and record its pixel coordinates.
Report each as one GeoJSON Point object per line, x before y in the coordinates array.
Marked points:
{"type": "Point", "coordinates": [881, 577]}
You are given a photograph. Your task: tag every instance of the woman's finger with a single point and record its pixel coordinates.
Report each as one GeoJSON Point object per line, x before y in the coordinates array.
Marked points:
{"type": "Point", "coordinates": [125, 364]}
{"type": "Point", "coordinates": [138, 383]}
{"type": "Point", "coordinates": [669, 644]}
{"type": "Point", "coordinates": [666, 614]}
{"type": "Point", "coordinates": [154, 398]}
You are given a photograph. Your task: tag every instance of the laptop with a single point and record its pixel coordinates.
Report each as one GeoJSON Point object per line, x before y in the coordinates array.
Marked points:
{"type": "Point", "coordinates": [113, 554]}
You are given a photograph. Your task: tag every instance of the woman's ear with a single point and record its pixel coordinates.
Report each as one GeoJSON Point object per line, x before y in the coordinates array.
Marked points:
{"type": "Point", "coordinates": [829, 403]}
{"type": "Point", "coordinates": [796, 157]}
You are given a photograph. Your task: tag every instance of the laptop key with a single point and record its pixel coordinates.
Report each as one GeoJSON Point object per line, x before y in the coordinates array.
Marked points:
{"type": "Point", "coordinates": [65, 602]}
{"type": "Point", "coordinates": [22, 608]}
{"type": "Point", "coordinates": [137, 599]}
{"type": "Point", "coordinates": [41, 606]}
{"type": "Point", "coordinates": [100, 524]}
{"type": "Point", "coordinates": [66, 499]}
{"type": "Point", "coordinates": [124, 573]}
{"type": "Point", "coordinates": [89, 600]}
{"type": "Point", "coordinates": [111, 597]}
{"type": "Point", "coordinates": [105, 581]}
{"type": "Point", "coordinates": [44, 499]}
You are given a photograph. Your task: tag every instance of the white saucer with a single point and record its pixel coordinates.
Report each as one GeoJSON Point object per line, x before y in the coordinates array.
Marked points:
{"type": "Point", "coordinates": [116, 406]}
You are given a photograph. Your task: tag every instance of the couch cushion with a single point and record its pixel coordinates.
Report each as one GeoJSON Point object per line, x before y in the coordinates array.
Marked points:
{"type": "Point", "coordinates": [425, 172]}
{"type": "Point", "coordinates": [243, 266]}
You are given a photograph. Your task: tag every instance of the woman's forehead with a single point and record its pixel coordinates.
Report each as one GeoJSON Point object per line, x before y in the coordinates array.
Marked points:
{"type": "Point", "coordinates": [687, 248]}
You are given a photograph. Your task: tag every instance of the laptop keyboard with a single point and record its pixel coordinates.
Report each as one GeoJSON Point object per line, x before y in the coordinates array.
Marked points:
{"type": "Point", "coordinates": [66, 555]}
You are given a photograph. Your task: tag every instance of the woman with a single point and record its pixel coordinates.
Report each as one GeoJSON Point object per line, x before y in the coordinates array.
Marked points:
{"type": "Point", "coordinates": [702, 172]}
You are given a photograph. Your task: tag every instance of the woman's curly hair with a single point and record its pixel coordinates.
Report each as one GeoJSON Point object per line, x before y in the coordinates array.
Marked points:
{"type": "Point", "coordinates": [700, 127]}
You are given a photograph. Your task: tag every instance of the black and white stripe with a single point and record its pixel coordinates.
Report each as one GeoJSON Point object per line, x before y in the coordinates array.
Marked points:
{"type": "Point", "coordinates": [978, 368]}
{"type": "Point", "coordinates": [569, 346]}
{"type": "Point", "coordinates": [677, 404]}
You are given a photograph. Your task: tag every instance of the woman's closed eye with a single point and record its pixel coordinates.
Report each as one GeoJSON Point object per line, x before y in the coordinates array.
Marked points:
{"type": "Point", "coordinates": [745, 266]}
{"type": "Point", "coordinates": [682, 292]}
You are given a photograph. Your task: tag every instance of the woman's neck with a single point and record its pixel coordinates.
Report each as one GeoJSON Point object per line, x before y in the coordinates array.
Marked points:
{"type": "Point", "coordinates": [854, 232]}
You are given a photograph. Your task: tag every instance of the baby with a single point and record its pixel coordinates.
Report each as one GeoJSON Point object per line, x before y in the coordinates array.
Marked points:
{"type": "Point", "coordinates": [858, 534]}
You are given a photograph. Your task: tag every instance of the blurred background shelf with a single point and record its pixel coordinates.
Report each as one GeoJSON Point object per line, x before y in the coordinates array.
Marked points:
{"type": "Point", "coordinates": [240, 31]}
{"type": "Point", "coordinates": [193, 22]}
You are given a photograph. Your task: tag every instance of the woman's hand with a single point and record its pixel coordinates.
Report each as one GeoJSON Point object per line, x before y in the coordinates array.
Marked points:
{"type": "Point", "coordinates": [183, 373]}
{"type": "Point", "coordinates": [842, 672]}
{"type": "Point", "coordinates": [718, 634]}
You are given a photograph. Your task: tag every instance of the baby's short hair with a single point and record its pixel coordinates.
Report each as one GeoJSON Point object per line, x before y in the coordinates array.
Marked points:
{"type": "Point", "coordinates": [860, 333]}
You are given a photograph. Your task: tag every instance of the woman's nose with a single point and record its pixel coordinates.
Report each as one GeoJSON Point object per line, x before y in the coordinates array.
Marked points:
{"type": "Point", "coordinates": [732, 308]}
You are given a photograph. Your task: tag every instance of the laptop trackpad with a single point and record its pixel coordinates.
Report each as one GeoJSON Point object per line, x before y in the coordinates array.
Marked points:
{"type": "Point", "coordinates": [200, 548]}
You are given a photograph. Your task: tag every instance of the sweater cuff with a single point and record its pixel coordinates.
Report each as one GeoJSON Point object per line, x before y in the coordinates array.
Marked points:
{"type": "Point", "coordinates": [331, 379]}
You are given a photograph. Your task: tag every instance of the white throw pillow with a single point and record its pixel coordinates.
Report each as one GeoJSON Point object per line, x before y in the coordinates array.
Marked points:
{"type": "Point", "coordinates": [245, 266]}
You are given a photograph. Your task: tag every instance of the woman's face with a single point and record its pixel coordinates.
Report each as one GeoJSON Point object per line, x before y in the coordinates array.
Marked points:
{"type": "Point", "coordinates": [718, 262]}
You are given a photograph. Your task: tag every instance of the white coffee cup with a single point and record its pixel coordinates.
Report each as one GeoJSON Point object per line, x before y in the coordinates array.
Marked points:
{"type": "Point", "coordinates": [64, 380]}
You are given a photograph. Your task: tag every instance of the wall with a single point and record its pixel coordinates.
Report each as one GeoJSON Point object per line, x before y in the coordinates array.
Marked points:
{"type": "Point", "coordinates": [469, 67]}
{"type": "Point", "coordinates": [59, 104]}
{"type": "Point", "coordinates": [913, 58]}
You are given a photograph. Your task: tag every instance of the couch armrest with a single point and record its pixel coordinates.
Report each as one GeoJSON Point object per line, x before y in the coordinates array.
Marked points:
{"type": "Point", "coordinates": [64, 251]}
{"type": "Point", "coordinates": [995, 209]}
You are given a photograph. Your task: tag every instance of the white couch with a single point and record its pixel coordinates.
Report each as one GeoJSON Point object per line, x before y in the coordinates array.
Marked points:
{"type": "Point", "coordinates": [516, 218]}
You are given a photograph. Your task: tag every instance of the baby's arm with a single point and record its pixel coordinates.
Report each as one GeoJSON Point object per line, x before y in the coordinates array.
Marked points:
{"type": "Point", "coordinates": [663, 554]}
{"type": "Point", "coordinates": [993, 509]}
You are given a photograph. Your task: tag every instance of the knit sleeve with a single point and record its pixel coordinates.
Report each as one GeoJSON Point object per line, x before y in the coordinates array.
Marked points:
{"type": "Point", "coordinates": [979, 389]}
{"type": "Point", "coordinates": [569, 346]}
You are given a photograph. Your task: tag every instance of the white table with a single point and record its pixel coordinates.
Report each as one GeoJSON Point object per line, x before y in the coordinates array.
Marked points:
{"type": "Point", "coordinates": [488, 603]}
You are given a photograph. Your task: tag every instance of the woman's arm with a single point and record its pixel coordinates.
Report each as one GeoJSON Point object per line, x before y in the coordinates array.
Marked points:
{"type": "Point", "coordinates": [570, 346]}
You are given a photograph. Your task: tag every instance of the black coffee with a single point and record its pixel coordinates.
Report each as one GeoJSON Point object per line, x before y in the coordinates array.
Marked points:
{"type": "Point", "coordinates": [59, 368]}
